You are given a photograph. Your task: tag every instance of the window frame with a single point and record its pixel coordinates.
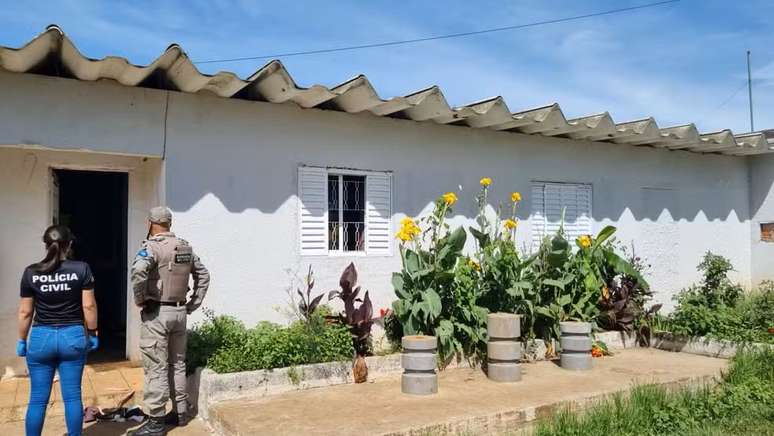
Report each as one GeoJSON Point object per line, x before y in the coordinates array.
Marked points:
{"type": "Point", "coordinates": [378, 219]}
{"type": "Point", "coordinates": [339, 252]}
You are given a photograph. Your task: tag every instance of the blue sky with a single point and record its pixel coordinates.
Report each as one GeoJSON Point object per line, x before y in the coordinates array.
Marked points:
{"type": "Point", "coordinates": [677, 63]}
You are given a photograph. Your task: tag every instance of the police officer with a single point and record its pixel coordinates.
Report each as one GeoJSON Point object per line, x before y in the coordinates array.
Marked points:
{"type": "Point", "coordinates": [160, 273]}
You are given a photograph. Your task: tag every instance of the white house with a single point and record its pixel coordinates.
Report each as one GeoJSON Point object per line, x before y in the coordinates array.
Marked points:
{"type": "Point", "coordinates": [266, 177]}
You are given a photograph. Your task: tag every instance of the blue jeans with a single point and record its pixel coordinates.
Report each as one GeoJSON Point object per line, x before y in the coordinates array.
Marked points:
{"type": "Point", "coordinates": [50, 349]}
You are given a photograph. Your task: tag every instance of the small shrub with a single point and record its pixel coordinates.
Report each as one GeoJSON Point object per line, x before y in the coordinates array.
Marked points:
{"type": "Point", "coordinates": [720, 309]}
{"type": "Point", "coordinates": [205, 339]}
{"type": "Point", "coordinates": [225, 345]}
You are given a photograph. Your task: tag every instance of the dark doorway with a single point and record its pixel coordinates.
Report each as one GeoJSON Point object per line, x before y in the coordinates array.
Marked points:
{"type": "Point", "coordinates": [94, 205]}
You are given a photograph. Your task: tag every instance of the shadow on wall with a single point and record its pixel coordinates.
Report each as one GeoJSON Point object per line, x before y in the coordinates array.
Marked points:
{"type": "Point", "coordinates": [247, 155]}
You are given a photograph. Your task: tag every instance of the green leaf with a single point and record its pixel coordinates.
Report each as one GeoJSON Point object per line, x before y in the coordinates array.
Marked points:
{"type": "Point", "coordinates": [399, 308]}
{"type": "Point", "coordinates": [515, 292]}
{"type": "Point", "coordinates": [457, 239]}
{"type": "Point", "coordinates": [397, 281]}
{"type": "Point", "coordinates": [433, 302]}
{"type": "Point", "coordinates": [603, 236]}
{"type": "Point", "coordinates": [445, 329]}
{"type": "Point", "coordinates": [410, 326]}
{"type": "Point", "coordinates": [412, 261]}
{"type": "Point", "coordinates": [482, 238]}
{"type": "Point", "coordinates": [564, 300]}
{"type": "Point", "coordinates": [541, 310]}
{"type": "Point", "coordinates": [554, 283]}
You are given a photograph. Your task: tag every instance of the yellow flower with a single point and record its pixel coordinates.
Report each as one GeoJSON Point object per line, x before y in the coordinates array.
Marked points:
{"type": "Point", "coordinates": [408, 230]}
{"type": "Point", "coordinates": [515, 196]}
{"type": "Point", "coordinates": [510, 224]}
{"type": "Point", "coordinates": [473, 264]}
{"type": "Point", "coordinates": [449, 198]}
{"type": "Point", "coordinates": [403, 235]}
{"type": "Point", "coordinates": [584, 241]}
{"type": "Point", "coordinates": [486, 181]}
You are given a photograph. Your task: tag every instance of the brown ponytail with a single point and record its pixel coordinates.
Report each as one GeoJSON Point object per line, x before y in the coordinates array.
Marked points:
{"type": "Point", "coordinates": [58, 240]}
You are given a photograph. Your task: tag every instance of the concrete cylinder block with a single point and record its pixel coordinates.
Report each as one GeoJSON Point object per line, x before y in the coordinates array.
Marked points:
{"type": "Point", "coordinates": [503, 325]}
{"type": "Point", "coordinates": [419, 362]}
{"type": "Point", "coordinates": [575, 327]}
{"type": "Point", "coordinates": [419, 383]}
{"type": "Point", "coordinates": [576, 361]}
{"type": "Point", "coordinates": [504, 350]}
{"type": "Point", "coordinates": [576, 345]}
{"type": "Point", "coordinates": [419, 343]}
{"type": "Point", "coordinates": [504, 372]}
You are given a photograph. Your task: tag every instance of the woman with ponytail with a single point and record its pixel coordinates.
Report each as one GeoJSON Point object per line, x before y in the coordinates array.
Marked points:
{"type": "Point", "coordinates": [57, 301]}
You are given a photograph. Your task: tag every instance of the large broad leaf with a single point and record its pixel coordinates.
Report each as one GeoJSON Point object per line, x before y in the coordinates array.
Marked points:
{"type": "Point", "coordinates": [515, 292]}
{"type": "Point", "coordinates": [603, 236]}
{"type": "Point", "coordinates": [457, 239]}
{"type": "Point", "coordinates": [564, 300]}
{"type": "Point", "coordinates": [313, 305]}
{"type": "Point", "coordinates": [399, 308]}
{"type": "Point", "coordinates": [591, 283]}
{"type": "Point", "coordinates": [554, 283]}
{"type": "Point", "coordinates": [445, 330]}
{"type": "Point", "coordinates": [397, 282]}
{"type": "Point", "coordinates": [518, 288]}
{"type": "Point", "coordinates": [348, 278]}
{"type": "Point", "coordinates": [546, 312]}
{"type": "Point", "coordinates": [433, 302]}
{"type": "Point", "coordinates": [412, 261]}
{"type": "Point", "coordinates": [410, 326]}
{"type": "Point", "coordinates": [621, 266]}
{"type": "Point", "coordinates": [482, 238]}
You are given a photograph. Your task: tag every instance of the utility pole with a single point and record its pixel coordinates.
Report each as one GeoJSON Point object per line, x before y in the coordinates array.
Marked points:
{"type": "Point", "coordinates": [749, 91]}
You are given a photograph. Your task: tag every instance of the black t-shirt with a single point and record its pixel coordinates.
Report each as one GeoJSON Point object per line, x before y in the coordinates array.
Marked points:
{"type": "Point", "coordinates": [58, 294]}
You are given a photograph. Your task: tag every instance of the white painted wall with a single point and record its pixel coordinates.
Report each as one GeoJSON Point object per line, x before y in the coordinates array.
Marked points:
{"type": "Point", "coordinates": [231, 168]}
{"type": "Point", "coordinates": [25, 200]}
{"type": "Point", "coordinates": [233, 186]}
{"type": "Point", "coordinates": [68, 114]}
{"type": "Point", "coordinates": [761, 210]}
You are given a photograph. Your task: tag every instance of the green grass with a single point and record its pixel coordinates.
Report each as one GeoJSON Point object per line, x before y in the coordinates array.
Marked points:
{"type": "Point", "coordinates": [741, 404]}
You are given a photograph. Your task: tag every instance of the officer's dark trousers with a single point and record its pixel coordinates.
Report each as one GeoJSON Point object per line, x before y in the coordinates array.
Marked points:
{"type": "Point", "coordinates": [163, 345]}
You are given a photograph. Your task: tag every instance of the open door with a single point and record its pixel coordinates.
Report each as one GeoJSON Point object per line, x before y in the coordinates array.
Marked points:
{"type": "Point", "coordinates": [95, 205]}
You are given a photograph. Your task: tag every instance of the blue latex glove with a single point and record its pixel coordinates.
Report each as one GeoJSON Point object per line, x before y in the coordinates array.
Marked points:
{"type": "Point", "coordinates": [21, 348]}
{"type": "Point", "coordinates": [93, 343]}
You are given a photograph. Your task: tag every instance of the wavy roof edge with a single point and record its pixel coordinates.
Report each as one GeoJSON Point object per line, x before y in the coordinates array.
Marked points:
{"type": "Point", "coordinates": [53, 53]}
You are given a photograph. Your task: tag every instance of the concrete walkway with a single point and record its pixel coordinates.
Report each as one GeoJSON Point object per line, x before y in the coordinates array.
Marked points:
{"type": "Point", "coordinates": [104, 385]}
{"type": "Point", "coordinates": [55, 427]}
{"type": "Point", "coordinates": [467, 402]}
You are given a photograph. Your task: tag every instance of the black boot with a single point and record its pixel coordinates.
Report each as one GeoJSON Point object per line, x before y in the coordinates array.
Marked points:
{"type": "Point", "coordinates": [177, 419]}
{"type": "Point", "coordinates": [152, 427]}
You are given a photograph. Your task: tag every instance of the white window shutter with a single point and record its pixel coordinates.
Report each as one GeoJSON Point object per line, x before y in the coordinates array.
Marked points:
{"type": "Point", "coordinates": [537, 219]}
{"type": "Point", "coordinates": [379, 214]}
{"type": "Point", "coordinates": [548, 201]}
{"type": "Point", "coordinates": [313, 211]}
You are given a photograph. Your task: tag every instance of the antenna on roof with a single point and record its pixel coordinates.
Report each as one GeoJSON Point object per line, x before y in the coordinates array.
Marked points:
{"type": "Point", "coordinates": [749, 91]}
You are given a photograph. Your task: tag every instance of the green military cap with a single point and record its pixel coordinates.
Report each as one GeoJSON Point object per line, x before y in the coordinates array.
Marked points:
{"type": "Point", "coordinates": [160, 215]}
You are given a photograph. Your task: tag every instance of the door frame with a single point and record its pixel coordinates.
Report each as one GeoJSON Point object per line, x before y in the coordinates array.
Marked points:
{"type": "Point", "coordinates": [144, 190]}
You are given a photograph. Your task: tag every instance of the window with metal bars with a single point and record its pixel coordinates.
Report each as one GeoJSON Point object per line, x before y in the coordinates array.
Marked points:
{"type": "Point", "coordinates": [346, 212]}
